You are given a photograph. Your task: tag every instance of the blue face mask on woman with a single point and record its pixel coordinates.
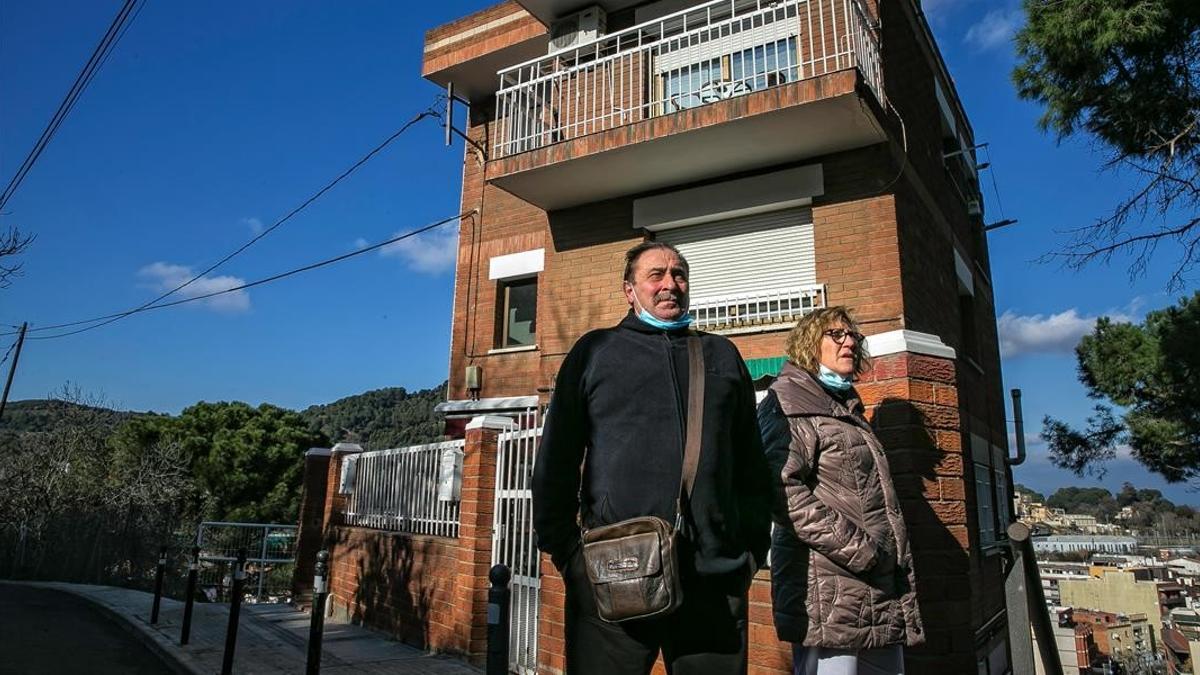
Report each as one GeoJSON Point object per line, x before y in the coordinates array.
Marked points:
{"type": "Point", "coordinates": [833, 381]}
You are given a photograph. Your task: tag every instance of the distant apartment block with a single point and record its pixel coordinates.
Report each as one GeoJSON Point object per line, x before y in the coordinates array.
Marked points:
{"type": "Point", "coordinates": [1073, 543]}
{"type": "Point", "coordinates": [1131, 592]}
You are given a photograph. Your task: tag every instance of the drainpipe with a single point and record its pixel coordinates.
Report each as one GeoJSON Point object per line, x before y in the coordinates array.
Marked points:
{"type": "Point", "coordinates": [1019, 424]}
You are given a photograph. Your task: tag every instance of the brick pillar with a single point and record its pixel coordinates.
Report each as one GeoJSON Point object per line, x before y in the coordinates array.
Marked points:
{"type": "Point", "coordinates": [912, 399]}
{"type": "Point", "coordinates": [552, 619]}
{"type": "Point", "coordinates": [335, 502]}
{"type": "Point", "coordinates": [335, 506]}
{"type": "Point", "coordinates": [475, 534]}
{"type": "Point", "coordinates": [312, 519]}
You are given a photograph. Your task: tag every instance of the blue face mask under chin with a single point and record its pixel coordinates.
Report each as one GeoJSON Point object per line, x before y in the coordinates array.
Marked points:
{"type": "Point", "coordinates": [649, 319]}
{"type": "Point", "coordinates": [834, 381]}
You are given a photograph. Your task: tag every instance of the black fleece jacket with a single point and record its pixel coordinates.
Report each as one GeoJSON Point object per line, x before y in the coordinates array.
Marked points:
{"type": "Point", "coordinates": [618, 412]}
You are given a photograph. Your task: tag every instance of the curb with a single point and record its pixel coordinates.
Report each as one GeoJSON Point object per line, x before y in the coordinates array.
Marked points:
{"type": "Point", "coordinates": [154, 640]}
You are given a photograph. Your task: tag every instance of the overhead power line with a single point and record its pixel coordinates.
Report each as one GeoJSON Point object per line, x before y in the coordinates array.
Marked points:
{"type": "Point", "coordinates": [99, 55]}
{"type": "Point", "coordinates": [267, 280]}
{"type": "Point", "coordinates": [109, 318]}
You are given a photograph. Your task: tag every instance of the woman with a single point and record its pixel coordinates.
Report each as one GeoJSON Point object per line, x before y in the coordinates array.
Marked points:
{"type": "Point", "coordinates": [842, 578]}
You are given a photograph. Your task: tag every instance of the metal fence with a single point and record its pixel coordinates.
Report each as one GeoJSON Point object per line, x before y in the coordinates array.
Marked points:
{"type": "Point", "coordinates": [270, 559]}
{"type": "Point", "coordinates": [513, 541]}
{"type": "Point", "coordinates": [755, 310]}
{"type": "Point", "coordinates": [410, 490]}
{"type": "Point", "coordinates": [700, 55]}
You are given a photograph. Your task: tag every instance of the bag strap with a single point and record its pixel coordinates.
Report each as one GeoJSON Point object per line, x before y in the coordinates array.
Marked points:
{"type": "Point", "coordinates": [695, 424]}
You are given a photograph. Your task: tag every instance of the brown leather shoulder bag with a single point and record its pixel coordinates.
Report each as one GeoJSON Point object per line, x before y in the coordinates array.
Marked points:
{"type": "Point", "coordinates": [634, 564]}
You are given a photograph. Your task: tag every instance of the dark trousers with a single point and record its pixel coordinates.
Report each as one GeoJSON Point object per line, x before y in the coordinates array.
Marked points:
{"type": "Point", "coordinates": [705, 636]}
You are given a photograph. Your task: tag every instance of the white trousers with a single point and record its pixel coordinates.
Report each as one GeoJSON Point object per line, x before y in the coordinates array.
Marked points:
{"type": "Point", "coordinates": [825, 661]}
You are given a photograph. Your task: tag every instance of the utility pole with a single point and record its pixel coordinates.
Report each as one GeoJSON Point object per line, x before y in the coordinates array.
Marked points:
{"type": "Point", "coordinates": [12, 370]}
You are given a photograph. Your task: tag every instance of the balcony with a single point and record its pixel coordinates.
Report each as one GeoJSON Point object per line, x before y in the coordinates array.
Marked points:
{"type": "Point", "coordinates": [752, 312]}
{"type": "Point", "coordinates": [730, 85]}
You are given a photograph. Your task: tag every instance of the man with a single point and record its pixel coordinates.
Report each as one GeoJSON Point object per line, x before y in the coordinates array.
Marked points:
{"type": "Point", "coordinates": [614, 439]}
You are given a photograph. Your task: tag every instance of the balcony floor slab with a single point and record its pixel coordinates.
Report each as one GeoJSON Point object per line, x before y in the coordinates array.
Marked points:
{"type": "Point", "coordinates": [792, 122]}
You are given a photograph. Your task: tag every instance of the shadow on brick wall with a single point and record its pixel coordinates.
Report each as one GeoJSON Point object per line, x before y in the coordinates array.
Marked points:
{"type": "Point", "coordinates": [388, 596]}
{"type": "Point", "coordinates": [929, 481]}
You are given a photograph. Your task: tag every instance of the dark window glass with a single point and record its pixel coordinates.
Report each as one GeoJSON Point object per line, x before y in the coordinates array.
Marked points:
{"type": "Point", "coordinates": [519, 313]}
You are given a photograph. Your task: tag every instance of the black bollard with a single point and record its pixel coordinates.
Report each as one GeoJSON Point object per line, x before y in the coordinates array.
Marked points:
{"type": "Point", "coordinates": [497, 621]}
{"type": "Point", "coordinates": [190, 596]}
{"type": "Point", "coordinates": [158, 583]}
{"type": "Point", "coordinates": [235, 610]}
{"type": "Point", "coordinates": [316, 629]}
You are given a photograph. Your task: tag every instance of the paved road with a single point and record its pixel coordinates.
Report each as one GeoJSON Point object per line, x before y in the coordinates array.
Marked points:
{"type": "Point", "coordinates": [45, 631]}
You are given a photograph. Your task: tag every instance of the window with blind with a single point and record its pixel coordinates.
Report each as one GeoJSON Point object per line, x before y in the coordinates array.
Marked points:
{"type": "Point", "coordinates": [755, 270]}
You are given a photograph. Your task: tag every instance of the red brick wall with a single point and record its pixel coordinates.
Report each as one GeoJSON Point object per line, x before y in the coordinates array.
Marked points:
{"type": "Point", "coordinates": [427, 591]}
{"type": "Point", "coordinates": [513, 25]}
{"type": "Point", "coordinates": [400, 584]}
{"type": "Point", "coordinates": [309, 539]}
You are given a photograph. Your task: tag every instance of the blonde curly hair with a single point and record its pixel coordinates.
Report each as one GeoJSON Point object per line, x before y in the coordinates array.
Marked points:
{"type": "Point", "coordinates": [804, 340]}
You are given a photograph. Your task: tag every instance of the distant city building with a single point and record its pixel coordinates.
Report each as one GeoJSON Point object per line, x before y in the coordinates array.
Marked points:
{"type": "Point", "coordinates": [1053, 573]}
{"type": "Point", "coordinates": [1182, 642]}
{"type": "Point", "coordinates": [1081, 522]}
{"type": "Point", "coordinates": [1130, 592]}
{"type": "Point", "coordinates": [1123, 637]}
{"type": "Point", "coordinates": [1074, 543]}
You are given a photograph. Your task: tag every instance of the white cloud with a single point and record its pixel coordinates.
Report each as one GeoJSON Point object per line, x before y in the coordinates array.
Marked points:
{"type": "Point", "coordinates": [1045, 334]}
{"type": "Point", "coordinates": [255, 225]}
{"type": "Point", "coordinates": [164, 277]}
{"type": "Point", "coordinates": [360, 244]}
{"type": "Point", "coordinates": [432, 252]}
{"type": "Point", "coordinates": [995, 29]}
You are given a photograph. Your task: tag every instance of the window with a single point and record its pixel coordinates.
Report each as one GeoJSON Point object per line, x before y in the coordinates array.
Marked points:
{"type": "Point", "coordinates": [750, 271]}
{"type": "Point", "coordinates": [725, 61]}
{"type": "Point", "coordinates": [992, 499]}
{"type": "Point", "coordinates": [984, 507]}
{"type": "Point", "coordinates": [517, 305]}
{"type": "Point", "coordinates": [741, 72]}
{"type": "Point", "coordinates": [969, 336]}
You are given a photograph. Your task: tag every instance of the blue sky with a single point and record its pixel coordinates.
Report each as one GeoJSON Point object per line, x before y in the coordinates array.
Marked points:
{"type": "Point", "coordinates": [212, 120]}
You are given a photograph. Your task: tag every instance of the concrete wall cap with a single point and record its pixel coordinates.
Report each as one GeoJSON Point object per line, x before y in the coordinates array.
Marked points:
{"type": "Point", "coordinates": [318, 452]}
{"type": "Point", "coordinates": [897, 341]}
{"type": "Point", "coordinates": [346, 447]}
{"type": "Point", "coordinates": [499, 422]}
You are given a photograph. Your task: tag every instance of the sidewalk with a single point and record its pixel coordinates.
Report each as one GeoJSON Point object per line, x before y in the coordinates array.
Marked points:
{"type": "Point", "coordinates": [271, 638]}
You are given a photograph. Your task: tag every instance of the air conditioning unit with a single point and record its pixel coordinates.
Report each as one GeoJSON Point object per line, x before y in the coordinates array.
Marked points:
{"type": "Point", "coordinates": [974, 208]}
{"type": "Point", "coordinates": [575, 29]}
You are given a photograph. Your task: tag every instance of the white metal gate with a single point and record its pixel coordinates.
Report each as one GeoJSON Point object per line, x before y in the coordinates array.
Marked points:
{"type": "Point", "coordinates": [513, 540]}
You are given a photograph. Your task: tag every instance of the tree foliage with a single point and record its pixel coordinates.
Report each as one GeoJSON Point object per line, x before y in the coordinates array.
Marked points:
{"type": "Point", "coordinates": [88, 493]}
{"type": "Point", "coordinates": [1092, 501]}
{"type": "Point", "coordinates": [381, 419]}
{"type": "Point", "coordinates": [1124, 74]}
{"type": "Point", "coordinates": [245, 462]}
{"type": "Point", "coordinates": [1152, 371]}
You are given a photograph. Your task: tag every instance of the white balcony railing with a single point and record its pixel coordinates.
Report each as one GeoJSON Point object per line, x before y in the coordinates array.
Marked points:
{"type": "Point", "coordinates": [398, 490]}
{"type": "Point", "coordinates": [713, 51]}
{"type": "Point", "coordinates": [753, 311]}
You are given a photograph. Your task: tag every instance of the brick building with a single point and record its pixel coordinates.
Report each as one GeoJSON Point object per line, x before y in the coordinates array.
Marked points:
{"type": "Point", "coordinates": [801, 153]}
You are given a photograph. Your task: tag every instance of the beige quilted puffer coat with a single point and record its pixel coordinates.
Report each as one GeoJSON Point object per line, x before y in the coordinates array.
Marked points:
{"type": "Point", "coordinates": [841, 568]}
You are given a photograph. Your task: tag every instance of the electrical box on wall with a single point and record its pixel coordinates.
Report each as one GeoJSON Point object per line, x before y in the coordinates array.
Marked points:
{"type": "Point", "coordinates": [473, 379]}
{"type": "Point", "coordinates": [349, 472]}
{"type": "Point", "coordinates": [449, 486]}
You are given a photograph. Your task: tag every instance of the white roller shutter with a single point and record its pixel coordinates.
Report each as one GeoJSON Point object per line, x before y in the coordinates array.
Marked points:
{"type": "Point", "coordinates": [750, 254]}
